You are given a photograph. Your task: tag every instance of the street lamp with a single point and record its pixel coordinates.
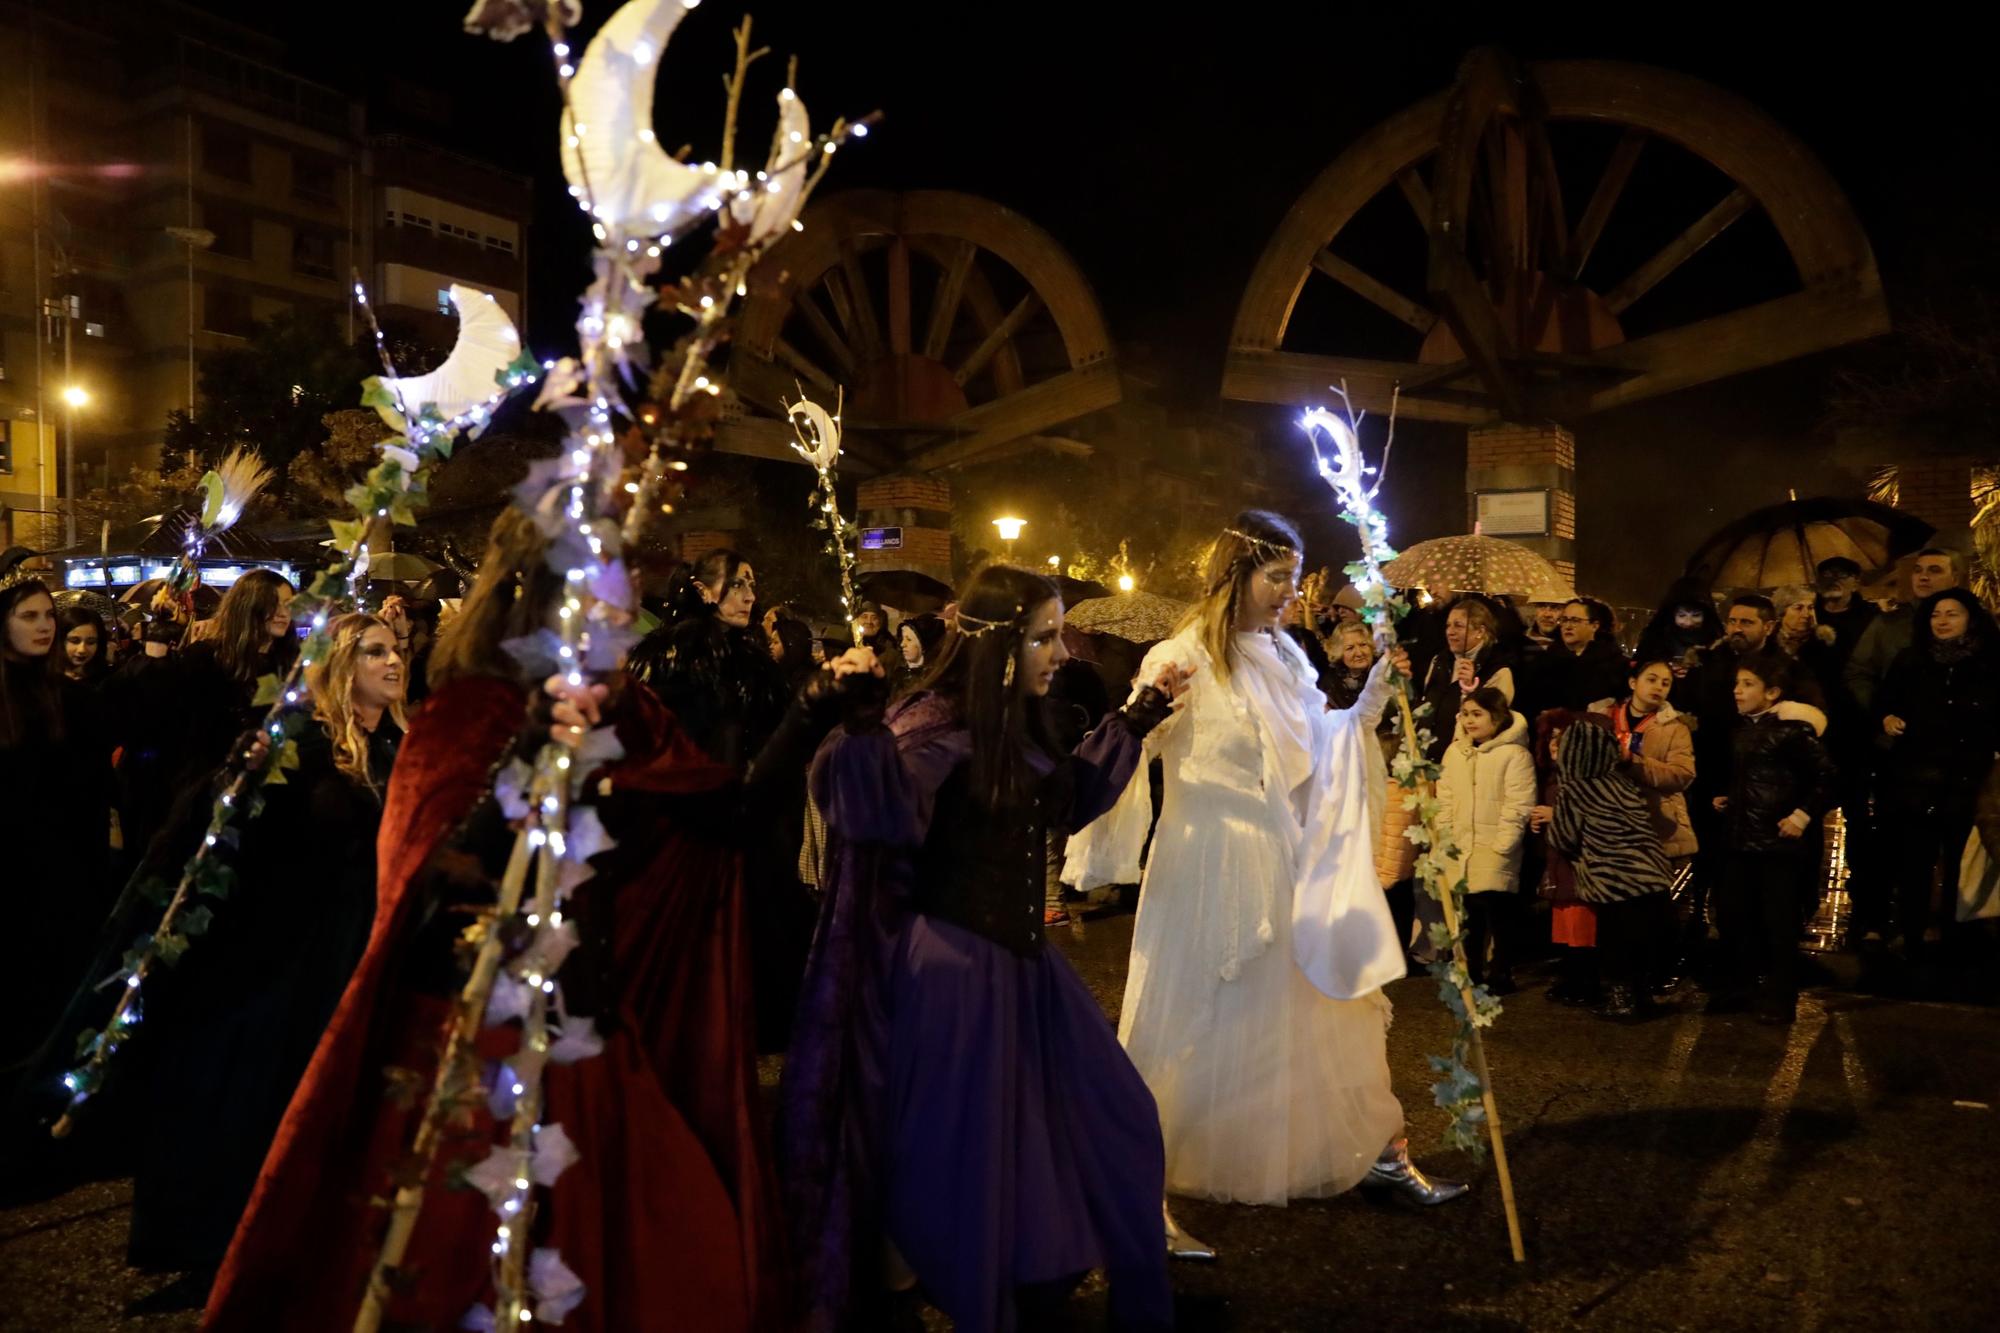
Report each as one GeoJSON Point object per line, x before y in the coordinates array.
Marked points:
{"type": "Point", "coordinates": [1055, 562]}
{"type": "Point", "coordinates": [1126, 583]}
{"type": "Point", "coordinates": [74, 396]}
{"type": "Point", "coordinates": [1010, 532]}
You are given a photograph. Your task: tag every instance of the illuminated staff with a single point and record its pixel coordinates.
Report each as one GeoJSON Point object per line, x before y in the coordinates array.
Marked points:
{"type": "Point", "coordinates": [388, 491]}
{"type": "Point", "coordinates": [1466, 1093]}
{"type": "Point", "coordinates": [639, 200]}
{"type": "Point", "coordinates": [818, 442]}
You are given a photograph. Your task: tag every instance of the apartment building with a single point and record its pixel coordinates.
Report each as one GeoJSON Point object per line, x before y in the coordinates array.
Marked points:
{"type": "Point", "coordinates": [165, 184]}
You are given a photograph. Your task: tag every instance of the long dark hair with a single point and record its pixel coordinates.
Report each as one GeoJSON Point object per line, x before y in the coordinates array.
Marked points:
{"type": "Point", "coordinates": [80, 617]}
{"type": "Point", "coordinates": [1979, 631]}
{"type": "Point", "coordinates": [689, 579]}
{"type": "Point", "coordinates": [42, 692]}
{"type": "Point", "coordinates": [241, 643]}
{"type": "Point", "coordinates": [995, 704]}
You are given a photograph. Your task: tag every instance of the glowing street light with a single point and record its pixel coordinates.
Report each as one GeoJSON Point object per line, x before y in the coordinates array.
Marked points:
{"type": "Point", "coordinates": [76, 395]}
{"type": "Point", "coordinates": [1055, 562]}
{"type": "Point", "coordinates": [1127, 583]}
{"type": "Point", "coordinates": [1010, 531]}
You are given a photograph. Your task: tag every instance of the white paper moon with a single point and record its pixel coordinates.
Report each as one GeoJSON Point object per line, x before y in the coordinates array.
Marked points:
{"type": "Point", "coordinates": [820, 441]}
{"type": "Point", "coordinates": [610, 153]}
{"type": "Point", "coordinates": [487, 344]}
{"type": "Point", "coordinates": [776, 201]}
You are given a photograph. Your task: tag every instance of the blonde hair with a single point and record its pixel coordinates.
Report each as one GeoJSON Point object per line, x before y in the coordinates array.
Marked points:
{"type": "Point", "coordinates": [1353, 629]}
{"type": "Point", "coordinates": [331, 680]}
{"type": "Point", "coordinates": [1253, 539]}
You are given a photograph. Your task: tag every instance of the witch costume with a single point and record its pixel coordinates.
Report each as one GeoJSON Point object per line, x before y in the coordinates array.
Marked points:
{"type": "Point", "coordinates": [952, 1086]}
{"type": "Point", "coordinates": [670, 1221]}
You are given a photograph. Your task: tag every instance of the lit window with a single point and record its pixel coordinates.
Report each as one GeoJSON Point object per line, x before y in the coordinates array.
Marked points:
{"type": "Point", "coordinates": [444, 301]}
{"type": "Point", "coordinates": [93, 330]}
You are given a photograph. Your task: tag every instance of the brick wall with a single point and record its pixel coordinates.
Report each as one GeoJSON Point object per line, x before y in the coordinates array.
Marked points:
{"type": "Point", "coordinates": [1562, 515]}
{"type": "Point", "coordinates": [926, 549]}
{"type": "Point", "coordinates": [1937, 490]}
{"type": "Point", "coordinates": [694, 545]}
{"type": "Point", "coordinates": [1515, 446]}
{"type": "Point", "coordinates": [904, 492]}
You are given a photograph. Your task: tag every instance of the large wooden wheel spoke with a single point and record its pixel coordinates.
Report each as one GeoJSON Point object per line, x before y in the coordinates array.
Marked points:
{"type": "Point", "coordinates": [956, 329]}
{"type": "Point", "coordinates": [1522, 308]}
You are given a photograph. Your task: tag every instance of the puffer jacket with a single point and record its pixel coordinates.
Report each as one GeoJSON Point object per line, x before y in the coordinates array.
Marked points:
{"type": "Point", "coordinates": [1951, 716]}
{"type": "Point", "coordinates": [1484, 795]}
{"type": "Point", "coordinates": [1662, 763]}
{"type": "Point", "coordinates": [1780, 767]}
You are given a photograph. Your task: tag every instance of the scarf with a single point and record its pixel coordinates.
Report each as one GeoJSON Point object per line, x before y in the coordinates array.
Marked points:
{"type": "Point", "coordinates": [1950, 652]}
{"type": "Point", "coordinates": [1627, 731]}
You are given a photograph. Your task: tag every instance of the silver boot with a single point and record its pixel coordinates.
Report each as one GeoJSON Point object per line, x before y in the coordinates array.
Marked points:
{"type": "Point", "coordinates": [1395, 1174]}
{"type": "Point", "coordinates": [1180, 1245]}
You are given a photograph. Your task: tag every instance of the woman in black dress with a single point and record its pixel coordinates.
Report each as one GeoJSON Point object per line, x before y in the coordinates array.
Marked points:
{"type": "Point", "coordinates": [240, 1016]}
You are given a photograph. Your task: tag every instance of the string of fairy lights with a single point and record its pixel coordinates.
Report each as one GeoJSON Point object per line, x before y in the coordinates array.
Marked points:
{"type": "Point", "coordinates": [391, 485]}
{"type": "Point", "coordinates": [574, 500]}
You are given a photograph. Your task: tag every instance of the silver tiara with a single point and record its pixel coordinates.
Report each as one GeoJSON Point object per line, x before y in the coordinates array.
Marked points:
{"type": "Point", "coordinates": [1262, 551]}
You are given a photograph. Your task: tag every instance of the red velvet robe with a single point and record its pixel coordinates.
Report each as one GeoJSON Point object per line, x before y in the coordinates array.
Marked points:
{"type": "Point", "coordinates": [669, 1217]}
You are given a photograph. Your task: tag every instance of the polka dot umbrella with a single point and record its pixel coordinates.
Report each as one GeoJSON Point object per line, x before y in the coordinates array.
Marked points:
{"type": "Point", "coordinates": [1136, 617]}
{"type": "Point", "coordinates": [1473, 563]}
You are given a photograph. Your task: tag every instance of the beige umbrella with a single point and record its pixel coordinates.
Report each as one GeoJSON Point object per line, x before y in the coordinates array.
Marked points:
{"type": "Point", "coordinates": [1784, 543]}
{"type": "Point", "coordinates": [1136, 617]}
{"type": "Point", "coordinates": [1471, 564]}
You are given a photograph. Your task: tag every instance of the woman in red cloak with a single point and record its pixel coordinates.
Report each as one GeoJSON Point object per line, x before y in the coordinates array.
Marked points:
{"type": "Point", "coordinates": [668, 1218]}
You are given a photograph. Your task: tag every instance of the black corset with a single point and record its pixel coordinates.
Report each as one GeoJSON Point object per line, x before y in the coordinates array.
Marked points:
{"type": "Point", "coordinates": [987, 870]}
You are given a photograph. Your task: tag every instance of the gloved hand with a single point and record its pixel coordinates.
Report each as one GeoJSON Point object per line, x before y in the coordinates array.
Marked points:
{"type": "Point", "coordinates": [1147, 710]}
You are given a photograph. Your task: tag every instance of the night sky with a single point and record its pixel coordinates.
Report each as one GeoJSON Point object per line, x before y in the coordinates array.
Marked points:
{"type": "Point", "coordinates": [1162, 150]}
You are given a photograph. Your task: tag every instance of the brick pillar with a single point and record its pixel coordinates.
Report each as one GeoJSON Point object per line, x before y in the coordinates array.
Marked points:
{"type": "Point", "coordinates": [695, 545]}
{"type": "Point", "coordinates": [1515, 458]}
{"type": "Point", "coordinates": [916, 512]}
{"type": "Point", "coordinates": [1938, 489]}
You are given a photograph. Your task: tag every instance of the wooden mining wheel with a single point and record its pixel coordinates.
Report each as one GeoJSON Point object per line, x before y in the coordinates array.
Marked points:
{"type": "Point", "coordinates": [1512, 319]}
{"type": "Point", "coordinates": [958, 329]}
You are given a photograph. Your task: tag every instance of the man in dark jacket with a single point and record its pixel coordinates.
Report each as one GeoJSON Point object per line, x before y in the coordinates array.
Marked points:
{"type": "Point", "coordinates": [1840, 605]}
{"type": "Point", "coordinates": [1711, 689]}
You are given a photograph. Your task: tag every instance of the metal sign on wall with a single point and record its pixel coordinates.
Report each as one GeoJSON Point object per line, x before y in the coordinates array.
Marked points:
{"type": "Point", "coordinates": [881, 539]}
{"type": "Point", "coordinates": [1514, 513]}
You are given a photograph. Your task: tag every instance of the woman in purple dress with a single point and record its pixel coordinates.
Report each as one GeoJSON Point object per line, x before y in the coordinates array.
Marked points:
{"type": "Point", "coordinates": [957, 1114]}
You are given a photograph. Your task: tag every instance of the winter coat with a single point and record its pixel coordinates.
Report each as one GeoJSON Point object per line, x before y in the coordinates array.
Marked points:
{"type": "Point", "coordinates": [1484, 795]}
{"type": "Point", "coordinates": [1602, 823]}
{"type": "Point", "coordinates": [1885, 639]}
{"type": "Point", "coordinates": [1660, 758]}
{"type": "Point", "coordinates": [1779, 767]}
{"type": "Point", "coordinates": [1563, 679]}
{"type": "Point", "coordinates": [1951, 715]}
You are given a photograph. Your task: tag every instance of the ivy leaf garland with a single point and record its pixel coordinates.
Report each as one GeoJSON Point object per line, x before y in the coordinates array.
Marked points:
{"type": "Point", "coordinates": [395, 488]}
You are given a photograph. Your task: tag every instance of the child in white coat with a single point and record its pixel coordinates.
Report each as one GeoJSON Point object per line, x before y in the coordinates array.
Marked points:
{"type": "Point", "coordinates": [1485, 794]}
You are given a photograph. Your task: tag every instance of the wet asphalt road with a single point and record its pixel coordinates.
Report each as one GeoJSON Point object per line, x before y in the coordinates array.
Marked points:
{"type": "Point", "coordinates": [1694, 1172]}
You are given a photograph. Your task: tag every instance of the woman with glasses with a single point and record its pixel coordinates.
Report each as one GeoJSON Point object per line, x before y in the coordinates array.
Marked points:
{"type": "Point", "coordinates": [1586, 666]}
{"type": "Point", "coordinates": [1253, 1005]}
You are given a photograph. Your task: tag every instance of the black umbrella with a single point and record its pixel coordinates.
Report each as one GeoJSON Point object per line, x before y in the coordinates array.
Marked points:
{"type": "Point", "coordinates": [1782, 544]}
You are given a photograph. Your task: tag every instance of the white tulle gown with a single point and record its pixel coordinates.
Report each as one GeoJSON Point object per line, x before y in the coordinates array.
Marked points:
{"type": "Point", "coordinates": [1253, 1006]}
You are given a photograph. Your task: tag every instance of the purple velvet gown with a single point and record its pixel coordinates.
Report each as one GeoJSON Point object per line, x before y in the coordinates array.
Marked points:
{"type": "Point", "coordinates": [967, 1100]}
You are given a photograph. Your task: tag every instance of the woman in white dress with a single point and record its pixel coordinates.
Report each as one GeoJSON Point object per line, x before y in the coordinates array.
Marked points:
{"type": "Point", "coordinates": [1253, 1005]}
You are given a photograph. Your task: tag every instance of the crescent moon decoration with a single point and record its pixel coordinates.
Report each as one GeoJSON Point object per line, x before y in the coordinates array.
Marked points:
{"type": "Point", "coordinates": [634, 418]}
{"type": "Point", "coordinates": [818, 442]}
{"type": "Point", "coordinates": [610, 152]}
{"type": "Point", "coordinates": [462, 388]}
{"type": "Point", "coordinates": [1465, 1090]}
{"type": "Point", "coordinates": [393, 489]}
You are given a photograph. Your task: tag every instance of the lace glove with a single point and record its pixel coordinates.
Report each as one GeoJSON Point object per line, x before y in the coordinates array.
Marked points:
{"type": "Point", "coordinates": [1147, 710]}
